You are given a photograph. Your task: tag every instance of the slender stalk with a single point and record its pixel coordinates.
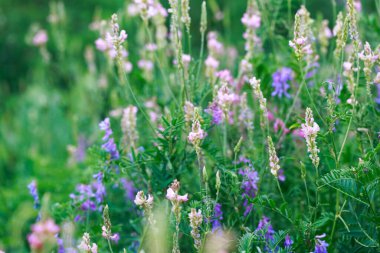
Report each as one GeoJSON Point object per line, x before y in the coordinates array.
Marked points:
{"type": "Point", "coordinates": [109, 245]}
{"type": "Point", "coordinates": [279, 189]}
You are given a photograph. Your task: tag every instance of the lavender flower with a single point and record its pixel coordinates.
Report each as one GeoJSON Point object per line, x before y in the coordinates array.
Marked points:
{"type": "Point", "coordinates": [33, 191]}
{"type": "Point", "coordinates": [129, 188]}
{"type": "Point", "coordinates": [288, 241]}
{"type": "Point", "coordinates": [377, 100]}
{"type": "Point", "coordinates": [109, 146]}
{"type": "Point", "coordinates": [249, 186]}
{"type": "Point", "coordinates": [320, 245]}
{"type": "Point", "coordinates": [217, 218]}
{"type": "Point", "coordinates": [90, 196]}
{"type": "Point", "coordinates": [280, 82]}
{"type": "Point", "coordinates": [265, 228]}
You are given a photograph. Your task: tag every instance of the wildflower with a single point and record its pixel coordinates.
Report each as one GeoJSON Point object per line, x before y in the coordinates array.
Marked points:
{"type": "Point", "coordinates": [377, 99]}
{"type": "Point", "coordinates": [353, 29]}
{"type": "Point", "coordinates": [265, 228]}
{"type": "Point", "coordinates": [215, 49]}
{"type": "Point", "coordinates": [40, 38]}
{"type": "Point", "coordinates": [43, 234]}
{"type": "Point", "coordinates": [255, 83]}
{"type": "Point", "coordinates": [273, 159]}
{"type": "Point", "coordinates": [324, 35]}
{"type": "Point", "coordinates": [251, 20]}
{"type": "Point", "coordinates": [185, 8]}
{"type": "Point", "coordinates": [310, 130]}
{"type": "Point", "coordinates": [348, 73]}
{"type": "Point", "coordinates": [225, 76]}
{"type": "Point", "coordinates": [217, 113]}
{"type": "Point", "coordinates": [288, 241]}
{"type": "Point", "coordinates": [280, 82]}
{"type": "Point", "coordinates": [128, 126]}
{"type": "Point", "coordinates": [189, 110]}
{"type": "Point", "coordinates": [340, 31]}
{"type": "Point", "coordinates": [85, 244]}
{"type": "Point", "coordinates": [217, 217]}
{"type": "Point", "coordinates": [320, 245]}
{"type": "Point", "coordinates": [106, 228]}
{"type": "Point", "coordinates": [197, 134]}
{"type": "Point", "coordinates": [129, 189]}
{"type": "Point", "coordinates": [109, 146]}
{"type": "Point", "coordinates": [196, 218]}
{"type": "Point", "coordinates": [176, 200]}
{"type": "Point", "coordinates": [89, 197]}
{"type": "Point", "coordinates": [369, 58]}
{"type": "Point", "coordinates": [146, 204]}
{"type": "Point", "coordinates": [249, 186]}
{"type": "Point", "coordinates": [301, 42]}
{"type": "Point", "coordinates": [246, 115]}
{"type": "Point", "coordinates": [203, 25]}
{"type": "Point", "coordinates": [33, 191]}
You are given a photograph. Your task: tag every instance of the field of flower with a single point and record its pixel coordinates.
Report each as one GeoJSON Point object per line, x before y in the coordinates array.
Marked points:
{"type": "Point", "coordinates": [207, 126]}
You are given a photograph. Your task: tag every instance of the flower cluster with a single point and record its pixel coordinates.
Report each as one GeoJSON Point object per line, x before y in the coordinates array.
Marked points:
{"type": "Point", "coordinates": [217, 217]}
{"type": "Point", "coordinates": [265, 229]}
{"type": "Point", "coordinates": [281, 80]}
{"type": "Point", "coordinates": [310, 130]}
{"type": "Point", "coordinates": [324, 35]}
{"type": "Point", "coordinates": [147, 9]}
{"type": "Point", "coordinates": [340, 31]}
{"type": "Point", "coordinates": [197, 134]}
{"type": "Point", "coordinates": [273, 159]}
{"type": "Point", "coordinates": [43, 235]}
{"type": "Point", "coordinates": [249, 186]}
{"type": "Point", "coordinates": [106, 228]}
{"type": "Point", "coordinates": [128, 126]}
{"type": "Point", "coordinates": [33, 191]}
{"type": "Point", "coordinates": [301, 42]}
{"type": "Point", "coordinates": [146, 204]}
{"type": "Point", "coordinates": [255, 83]}
{"type": "Point", "coordinates": [252, 21]}
{"type": "Point", "coordinates": [215, 49]}
{"type": "Point", "coordinates": [109, 146]}
{"type": "Point", "coordinates": [91, 196]}
{"type": "Point", "coordinates": [112, 44]}
{"type": "Point", "coordinates": [85, 244]}
{"type": "Point", "coordinates": [369, 58]}
{"type": "Point", "coordinates": [196, 218]}
{"type": "Point", "coordinates": [320, 245]}
{"type": "Point", "coordinates": [40, 38]}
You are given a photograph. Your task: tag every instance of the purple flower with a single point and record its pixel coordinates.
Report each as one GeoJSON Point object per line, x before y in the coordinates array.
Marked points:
{"type": "Point", "coordinates": [90, 196]}
{"type": "Point", "coordinates": [264, 226]}
{"type": "Point", "coordinates": [249, 186]}
{"type": "Point", "coordinates": [61, 247]}
{"type": "Point", "coordinates": [216, 219]}
{"type": "Point", "coordinates": [109, 146]}
{"type": "Point", "coordinates": [130, 190]}
{"type": "Point", "coordinates": [320, 245]}
{"type": "Point", "coordinates": [280, 82]}
{"type": "Point", "coordinates": [281, 175]}
{"type": "Point", "coordinates": [377, 99]}
{"type": "Point", "coordinates": [216, 112]}
{"type": "Point", "coordinates": [33, 191]}
{"type": "Point", "coordinates": [288, 241]}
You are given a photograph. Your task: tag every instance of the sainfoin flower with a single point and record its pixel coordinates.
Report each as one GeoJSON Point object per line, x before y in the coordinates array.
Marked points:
{"type": "Point", "coordinates": [281, 79]}
{"type": "Point", "coordinates": [40, 38]}
{"type": "Point", "coordinates": [85, 244]}
{"type": "Point", "coordinates": [195, 218]}
{"type": "Point", "coordinates": [249, 186]}
{"type": "Point", "coordinates": [310, 130]}
{"type": "Point", "coordinates": [273, 159]}
{"type": "Point", "coordinates": [320, 245]}
{"type": "Point", "coordinates": [43, 234]}
{"type": "Point", "coordinates": [109, 146]}
{"type": "Point", "coordinates": [146, 203]}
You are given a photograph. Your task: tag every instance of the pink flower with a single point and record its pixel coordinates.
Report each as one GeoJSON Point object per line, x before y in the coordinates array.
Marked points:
{"type": "Point", "coordinates": [40, 38]}
{"type": "Point", "coordinates": [212, 62]}
{"type": "Point", "coordinates": [251, 21]}
{"type": "Point", "coordinates": [173, 196]}
{"type": "Point", "coordinates": [101, 44]}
